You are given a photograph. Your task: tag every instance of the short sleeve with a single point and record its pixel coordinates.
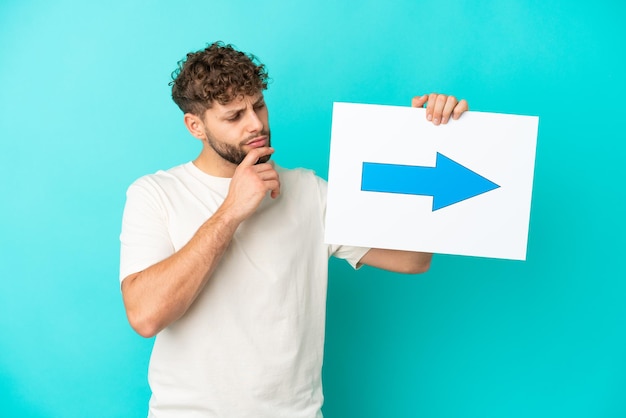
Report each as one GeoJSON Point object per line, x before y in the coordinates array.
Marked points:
{"type": "Point", "coordinates": [144, 240]}
{"type": "Point", "coordinates": [349, 253]}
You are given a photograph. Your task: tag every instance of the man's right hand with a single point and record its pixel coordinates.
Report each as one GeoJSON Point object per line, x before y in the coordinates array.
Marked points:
{"type": "Point", "coordinates": [250, 184]}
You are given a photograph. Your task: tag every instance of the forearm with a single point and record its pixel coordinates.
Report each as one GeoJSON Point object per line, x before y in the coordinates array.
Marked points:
{"type": "Point", "coordinates": [162, 293]}
{"type": "Point", "coordinates": [408, 262]}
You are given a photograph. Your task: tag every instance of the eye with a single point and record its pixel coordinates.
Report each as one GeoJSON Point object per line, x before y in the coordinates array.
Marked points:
{"type": "Point", "coordinates": [234, 118]}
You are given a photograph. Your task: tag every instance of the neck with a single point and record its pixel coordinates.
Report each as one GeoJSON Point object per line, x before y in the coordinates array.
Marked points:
{"type": "Point", "coordinates": [211, 163]}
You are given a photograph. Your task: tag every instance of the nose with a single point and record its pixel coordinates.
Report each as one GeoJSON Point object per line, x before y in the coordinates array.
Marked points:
{"type": "Point", "coordinates": [255, 124]}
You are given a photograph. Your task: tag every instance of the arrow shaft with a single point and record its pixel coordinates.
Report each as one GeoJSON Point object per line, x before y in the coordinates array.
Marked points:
{"type": "Point", "coordinates": [395, 178]}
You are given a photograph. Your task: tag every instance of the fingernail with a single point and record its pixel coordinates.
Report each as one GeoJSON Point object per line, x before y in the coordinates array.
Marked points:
{"type": "Point", "coordinates": [436, 121]}
{"type": "Point", "coordinates": [429, 117]}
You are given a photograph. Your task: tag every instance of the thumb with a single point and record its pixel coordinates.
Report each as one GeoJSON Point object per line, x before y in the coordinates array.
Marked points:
{"type": "Point", "coordinates": [418, 101]}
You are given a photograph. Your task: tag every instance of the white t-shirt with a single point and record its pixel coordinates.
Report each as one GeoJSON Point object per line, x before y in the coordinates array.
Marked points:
{"type": "Point", "coordinates": [251, 345]}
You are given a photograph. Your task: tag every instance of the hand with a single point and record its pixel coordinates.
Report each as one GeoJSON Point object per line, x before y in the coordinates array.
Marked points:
{"type": "Point", "coordinates": [250, 184]}
{"type": "Point", "coordinates": [440, 107]}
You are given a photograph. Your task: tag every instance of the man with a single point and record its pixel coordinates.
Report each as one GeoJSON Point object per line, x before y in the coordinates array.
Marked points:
{"type": "Point", "coordinates": [223, 258]}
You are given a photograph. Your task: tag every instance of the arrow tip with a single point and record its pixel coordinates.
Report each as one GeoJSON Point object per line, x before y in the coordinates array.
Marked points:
{"type": "Point", "coordinates": [457, 183]}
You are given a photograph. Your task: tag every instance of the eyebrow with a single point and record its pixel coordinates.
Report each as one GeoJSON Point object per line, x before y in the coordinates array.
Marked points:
{"type": "Point", "coordinates": [233, 112]}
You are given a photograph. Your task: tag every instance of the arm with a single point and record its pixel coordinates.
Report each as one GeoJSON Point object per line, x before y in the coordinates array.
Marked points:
{"type": "Point", "coordinates": [162, 293]}
{"type": "Point", "coordinates": [439, 109]}
{"type": "Point", "coordinates": [407, 262]}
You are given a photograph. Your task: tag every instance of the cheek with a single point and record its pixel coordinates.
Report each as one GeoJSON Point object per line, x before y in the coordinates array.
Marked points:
{"type": "Point", "coordinates": [228, 134]}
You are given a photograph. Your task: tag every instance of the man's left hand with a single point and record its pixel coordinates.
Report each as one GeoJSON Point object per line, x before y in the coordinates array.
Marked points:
{"type": "Point", "coordinates": [439, 107]}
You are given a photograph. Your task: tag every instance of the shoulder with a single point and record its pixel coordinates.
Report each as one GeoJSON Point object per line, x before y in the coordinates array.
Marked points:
{"type": "Point", "coordinates": [302, 186]}
{"type": "Point", "coordinates": [161, 179]}
{"type": "Point", "coordinates": [301, 177]}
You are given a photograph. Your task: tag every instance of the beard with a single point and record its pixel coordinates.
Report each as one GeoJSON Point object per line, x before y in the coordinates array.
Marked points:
{"type": "Point", "coordinates": [235, 153]}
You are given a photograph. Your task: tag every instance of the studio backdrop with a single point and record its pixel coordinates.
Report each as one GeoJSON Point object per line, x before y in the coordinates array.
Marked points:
{"type": "Point", "coordinates": [85, 109]}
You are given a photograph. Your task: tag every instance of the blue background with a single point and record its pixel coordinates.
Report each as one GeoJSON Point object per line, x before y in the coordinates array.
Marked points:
{"type": "Point", "coordinates": [85, 109]}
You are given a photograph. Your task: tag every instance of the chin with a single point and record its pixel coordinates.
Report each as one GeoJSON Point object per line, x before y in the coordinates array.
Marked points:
{"type": "Point", "coordinates": [264, 159]}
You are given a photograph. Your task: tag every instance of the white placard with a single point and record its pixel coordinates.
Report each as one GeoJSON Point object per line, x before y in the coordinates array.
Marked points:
{"type": "Point", "coordinates": [397, 181]}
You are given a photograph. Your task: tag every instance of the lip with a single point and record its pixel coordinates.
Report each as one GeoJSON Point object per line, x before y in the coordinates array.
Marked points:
{"type": "Point", "coordinates": [257, 142]}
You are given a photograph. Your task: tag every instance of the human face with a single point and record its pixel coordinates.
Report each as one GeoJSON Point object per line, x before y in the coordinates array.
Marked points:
{"type": "Point", "coordinates": [232, 130]}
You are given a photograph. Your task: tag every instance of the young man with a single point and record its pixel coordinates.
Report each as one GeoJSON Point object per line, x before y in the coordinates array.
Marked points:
{"type": "Point", "coordinates": [223, 258]}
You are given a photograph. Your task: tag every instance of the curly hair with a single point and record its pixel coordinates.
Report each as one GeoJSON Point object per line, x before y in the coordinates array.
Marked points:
{"type": "Point", "coordinates": [217, 73]}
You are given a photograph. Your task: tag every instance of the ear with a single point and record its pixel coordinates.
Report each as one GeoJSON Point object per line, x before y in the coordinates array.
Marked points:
{"type": "Point", "coordinates": [194, 125]}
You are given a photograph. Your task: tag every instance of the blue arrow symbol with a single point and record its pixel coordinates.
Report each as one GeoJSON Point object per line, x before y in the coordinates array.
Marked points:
{"type": "Point", "coordinates": [448, 182]}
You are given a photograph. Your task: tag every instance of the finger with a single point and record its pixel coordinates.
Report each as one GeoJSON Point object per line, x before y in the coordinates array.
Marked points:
{"type": "Point", "coordinates": [270, 177]}
{"type": "Point", "coordinates": [266, 171]}
{"type": "Point", "coordinates": [430, 107]}
{"type": "Point", "coordinates": [268, 165]}
{"type": "Point", "coordinates": [440, 102]}
{"type": "Point", "coordinates": [254, 155]}
{"type": "Point", "coordinates": [448, 107]}
{"type": "Point", "coordinates": [418, 101]}
{"type": "Point", "coordinates": [275, 189]}
{"type": "Point", "coordinates": [461, 107]}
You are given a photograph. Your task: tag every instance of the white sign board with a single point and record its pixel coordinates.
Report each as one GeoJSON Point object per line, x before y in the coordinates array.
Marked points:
{"type": "Point", "coordinates": [397, 181]}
